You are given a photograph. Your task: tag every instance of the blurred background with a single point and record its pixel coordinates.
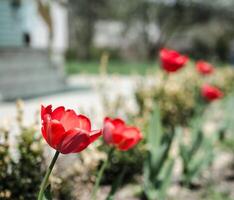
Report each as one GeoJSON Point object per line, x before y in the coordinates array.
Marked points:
{"type": "Point", "coordinates": [65, 37]}
{"type": "Point", "coordinates": [136, 30]}
{"type": "Point", "coordinates": [100, 57]}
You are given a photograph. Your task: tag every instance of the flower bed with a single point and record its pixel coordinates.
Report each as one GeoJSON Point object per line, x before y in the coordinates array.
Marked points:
{"type": "Point", "coordinates": [169, 148]}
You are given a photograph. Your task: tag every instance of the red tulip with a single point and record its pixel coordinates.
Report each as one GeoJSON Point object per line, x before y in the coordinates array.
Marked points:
{"type": "Point", "coordinates": [204, 68]}
{"type": "Point", "coordinates": [211, 93]}
{"type": "Point", "coordinates": [117, 133]}
{"type": "Point", "coordinates": [172, 60]}
{"type": "Point", "coordinates": [66, 131]}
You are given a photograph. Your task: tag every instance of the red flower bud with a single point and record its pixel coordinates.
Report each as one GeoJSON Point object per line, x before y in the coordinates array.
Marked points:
{"type": "Point", "coordinates": [66, 131]}
{"type": "Point", "coordinates": [211, 93]}
{"type": "Point", "coordinates": [204, 68]}
{"type": "Point", "coordinates": [117, 133]}
{"type": "Point", "coordinates": [172, 60]}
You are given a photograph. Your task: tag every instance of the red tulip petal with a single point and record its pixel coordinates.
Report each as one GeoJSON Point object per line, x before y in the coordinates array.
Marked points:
{"type": "Point", "coordinates": [45, 110]}
{"type": "Point", "coordinates": [117, 137]}
{"type": "Point", "coordinates": [107, 119]}
{"type": "Point", "coordinates": [126, 145]}
{"type": "Point", "coordinates": [95, 135]}
{"type": "Point", "coordinates": [133, 132]}
{"type": "Point", "coordinates": [182, 60]}
{"type": "Point", "coordinates": [70, 121]}
{"type": "Point", "coordinates": [44, 134]}
{"type": "Point", "coordinates": [112, 130]}
{"type": "Point", "coordinates": [74, 142]}
{"type": "Point", "coordinates": [211, 93]}
{"type": "Point", "coordinates": [172, 60]}
{"type": "Point", "coordinates": [108, 132]}
{"type": "Point", "coordinates": [55, 133]}
{"type": "Point", "coordinates": [118, 123]}
{"type": "Point", "coordinates": [84, 123]}
{"type": "Point", "coordinates": [46, 126]}
{"type": "Point", "coordinates": [58, 113]}
{"type": "Point", "coordinates": [204, 67]}
{"type": "Point", "coordinates": [131, 137]}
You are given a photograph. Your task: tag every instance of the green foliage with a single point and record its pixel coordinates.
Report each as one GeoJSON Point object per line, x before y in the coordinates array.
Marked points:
{"type": "Point", "coordinates": [116, 184]}
{"type": "Point", "coordinates": [226, 130]}
{"type": "Point", "coordinates": [196, 154]}
{"type": "Point", "coordinates": [157, 167]}
{"type": "Point", "coordinates": [213, 194]}
{"type": "Point", "coordinates": [132, 159]}
{"type": "Point", "coordinates": [114, 67]}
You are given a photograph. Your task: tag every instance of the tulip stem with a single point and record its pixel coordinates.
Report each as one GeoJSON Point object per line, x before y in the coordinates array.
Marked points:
{"type": "Point", "coordinates": [100, 174]}
{"type": "Point", "coordinates": [44, 183]}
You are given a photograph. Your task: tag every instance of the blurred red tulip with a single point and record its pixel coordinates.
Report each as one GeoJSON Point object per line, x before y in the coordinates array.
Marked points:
{"type": "Point", "coordinates": [117, 133]}
{"type": "Point", "coordinates": [66, 131]}
{"type": "Point", "coordinates": [204, 68]}
{"type": "Point", "coordinates": [211, 93]}
{"type": "Point", "coordinates": [172, 60]}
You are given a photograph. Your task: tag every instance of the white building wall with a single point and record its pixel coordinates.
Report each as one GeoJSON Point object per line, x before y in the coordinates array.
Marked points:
{"type": "Point", "coordinates": [60, 23]}
{"type": "Point", "coordinates": [39, 30]}
{"type": "Point", "coordinates": [40, 33]}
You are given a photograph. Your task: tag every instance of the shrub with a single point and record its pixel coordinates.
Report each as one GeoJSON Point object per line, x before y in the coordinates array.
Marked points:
{"type": "Point", "coordinates": [5, 162]}
{"type": "Point", "coordinates": [21, 177]}
{"type": "Point", "coordinates": [178, 95]}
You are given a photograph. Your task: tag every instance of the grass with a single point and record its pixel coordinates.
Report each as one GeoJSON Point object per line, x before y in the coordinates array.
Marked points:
{"type": "Point", "coordinates": [213, 194]}
{"type": "Point", "coordinates": [114, 67]}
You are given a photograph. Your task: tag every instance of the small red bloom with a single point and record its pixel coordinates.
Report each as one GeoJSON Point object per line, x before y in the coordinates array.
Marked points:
{"type": "Point", "coordinates": [117, 133]}
{"type": "Point", "coordinates": [204, 68]}
{"type": "Point", "coordinates": [211, 93]}
{"type": "Point", "coordinates": [66, 131]}
{"type": "Point", "coordinates": [172, 60]}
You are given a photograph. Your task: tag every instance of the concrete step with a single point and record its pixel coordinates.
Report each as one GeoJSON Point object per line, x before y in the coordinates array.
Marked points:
{"type": "Point", "coordinates": [20, 51]}
{"type": "Point", "coordinates": [23, 70]}
{"type": "Point", "coordinates": [14, 66]}
{"type": "Point", "coordinates": [32, 91]}
{"type": "Point", "coordinates": [28, 79]}
{"type": "Point", "coordinates": [27, 72]}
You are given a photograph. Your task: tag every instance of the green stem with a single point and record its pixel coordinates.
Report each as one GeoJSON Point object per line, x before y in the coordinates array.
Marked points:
{"type": "Point", "coordinates": [116, 184]}
{"type": "Point", "coordinates": [46, 177]}
{"type": "Point", "coordinates": [100, 174]}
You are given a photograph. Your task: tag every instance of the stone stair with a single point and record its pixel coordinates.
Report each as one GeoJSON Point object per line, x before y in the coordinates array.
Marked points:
{"type": "Point", "coordinates": [27, 72]}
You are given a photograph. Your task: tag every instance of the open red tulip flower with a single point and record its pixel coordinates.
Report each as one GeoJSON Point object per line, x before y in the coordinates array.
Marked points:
{"type": "Point", "coordinates": [204, 68]}
{"type": "Point", "coordinates": [171, 60]}
{"type": "Point", "coordinates": [121, 136]}
{"type": "Point", "coordinates": [66, 131]}
{"type": "Point", "coordinates": [117, 133]}
{"type": "Point", "coordinates": [211, 93]}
